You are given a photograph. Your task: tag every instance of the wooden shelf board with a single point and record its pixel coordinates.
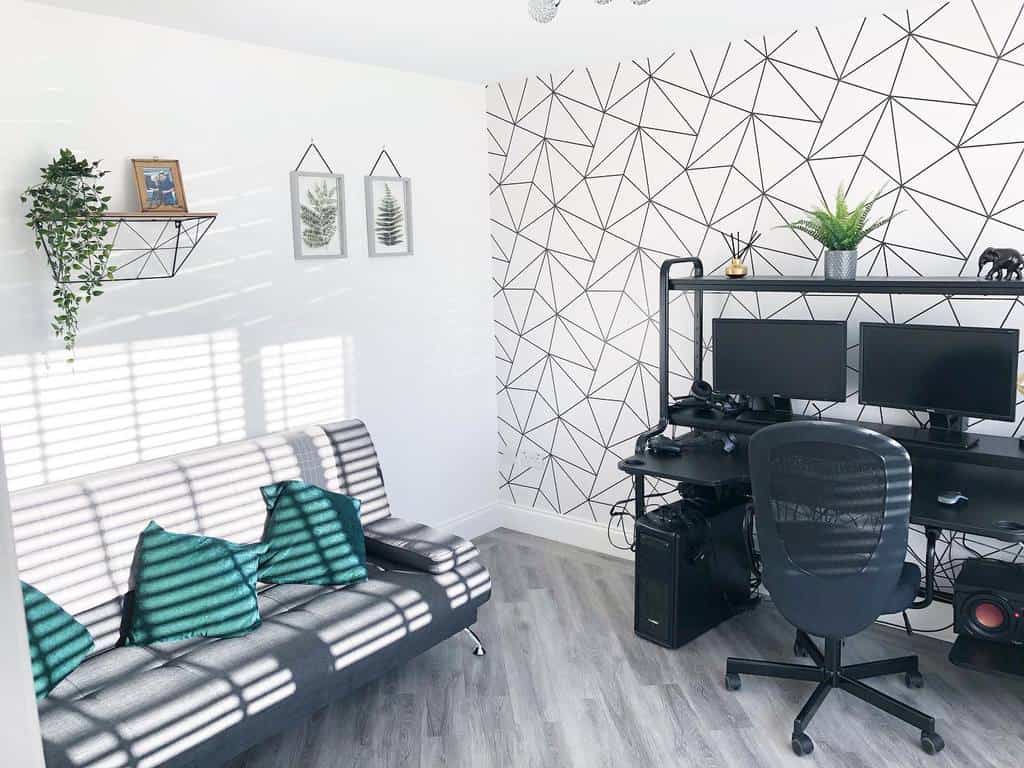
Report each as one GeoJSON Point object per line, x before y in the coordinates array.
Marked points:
{"type": "Point", "coordinates": [156, 215]}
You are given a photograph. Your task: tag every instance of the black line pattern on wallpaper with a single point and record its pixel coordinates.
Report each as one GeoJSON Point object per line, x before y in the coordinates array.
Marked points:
{"type": "Point", "coordinates": [600, 174]}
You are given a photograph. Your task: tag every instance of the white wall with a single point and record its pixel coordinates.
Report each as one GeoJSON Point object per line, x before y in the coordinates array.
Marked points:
{"type": "Point", "coordinates": [246, 340]}
{"type": "Point", "coordinates": [22, 744]}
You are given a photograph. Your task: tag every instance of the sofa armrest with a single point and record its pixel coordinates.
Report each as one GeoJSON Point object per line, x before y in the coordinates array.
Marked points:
{"type": "Point", "coordinates": [416, 545]}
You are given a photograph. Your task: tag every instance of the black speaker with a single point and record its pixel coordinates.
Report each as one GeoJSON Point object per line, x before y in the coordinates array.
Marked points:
{"type": "Point", "coordinates": [692, 572]}
{"type": "Point", "coordinates": [988, 601]}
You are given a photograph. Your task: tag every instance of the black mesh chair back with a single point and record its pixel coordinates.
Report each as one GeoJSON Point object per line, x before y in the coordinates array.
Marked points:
{"type": "Point", "coordinates": [832, 507]}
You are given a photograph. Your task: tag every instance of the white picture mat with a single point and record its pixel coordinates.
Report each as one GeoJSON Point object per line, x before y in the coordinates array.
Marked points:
{"type": "Point", "coordinates": [301, 183]}
{"type": "Point", "coordinates": [401, 189]}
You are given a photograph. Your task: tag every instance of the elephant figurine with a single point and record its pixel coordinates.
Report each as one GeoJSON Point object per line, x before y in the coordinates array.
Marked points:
{"type": "Point", "coordinates": [1005, 264]}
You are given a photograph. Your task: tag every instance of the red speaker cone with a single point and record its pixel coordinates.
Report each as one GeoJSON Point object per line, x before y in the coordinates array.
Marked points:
{"type": "Point", "coordinates": [989, 616]}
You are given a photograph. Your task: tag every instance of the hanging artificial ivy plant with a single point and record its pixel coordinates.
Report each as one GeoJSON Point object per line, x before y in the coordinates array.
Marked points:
{"type": "Point", "coordinates": [66, 214]}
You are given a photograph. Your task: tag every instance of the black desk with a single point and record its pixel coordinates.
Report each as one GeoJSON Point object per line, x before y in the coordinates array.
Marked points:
{"type": "Point", "coordinates": [701, 465]}
{"type": "Point", "coordinates": [995, 506]}
{"type": "Point", "coordinates": [987, 474]}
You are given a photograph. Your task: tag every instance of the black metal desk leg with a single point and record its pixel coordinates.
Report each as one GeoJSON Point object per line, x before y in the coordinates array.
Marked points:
{"type": "Point", "coordinates": [932, 535]}
{"type": "Point", "coordinates": [638, 493]}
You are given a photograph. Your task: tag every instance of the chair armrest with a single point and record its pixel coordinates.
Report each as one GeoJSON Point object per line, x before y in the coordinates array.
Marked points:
{"type": "Point", "coordinates": [417, 545]}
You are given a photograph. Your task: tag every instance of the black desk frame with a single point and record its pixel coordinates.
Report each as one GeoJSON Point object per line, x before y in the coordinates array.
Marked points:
{"type": "Point", "coordinates": [997, 454]}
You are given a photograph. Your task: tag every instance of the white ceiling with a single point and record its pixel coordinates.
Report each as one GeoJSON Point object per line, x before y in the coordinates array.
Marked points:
{"type": "Point", "coordinates": [480, 40]}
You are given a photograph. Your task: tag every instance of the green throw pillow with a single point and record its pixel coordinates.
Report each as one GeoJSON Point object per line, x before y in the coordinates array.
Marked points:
{"type": "Point", "coordinates": [192, 586]}
{"type": "Point", "coordinates": [314, 536]}
{"type": "Point", "coordinates": [56, 642]}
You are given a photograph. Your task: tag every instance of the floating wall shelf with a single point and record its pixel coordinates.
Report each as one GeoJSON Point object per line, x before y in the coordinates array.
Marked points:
{"type": "Point", "coordinates": [151, 246]}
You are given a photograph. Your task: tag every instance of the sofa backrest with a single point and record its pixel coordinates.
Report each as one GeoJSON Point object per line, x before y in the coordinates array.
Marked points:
{"type": "Point", "coordinates": [75, 540]}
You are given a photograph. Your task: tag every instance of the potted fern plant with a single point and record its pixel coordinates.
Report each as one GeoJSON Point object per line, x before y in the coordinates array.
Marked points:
{"type": "Point", "coordinates": [840, 232]}
{"type": "Point", "coordinates": [66, 214]}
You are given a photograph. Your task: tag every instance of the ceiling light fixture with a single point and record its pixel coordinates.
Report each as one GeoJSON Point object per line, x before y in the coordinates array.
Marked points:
{"type": "Point", "coordinates": [546, 10]}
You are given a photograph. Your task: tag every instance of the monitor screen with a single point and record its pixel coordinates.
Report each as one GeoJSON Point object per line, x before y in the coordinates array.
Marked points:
{"type": "Point", "coordinates": [805, 359]}
{"type": "Point", "coordinates": [940, 368]}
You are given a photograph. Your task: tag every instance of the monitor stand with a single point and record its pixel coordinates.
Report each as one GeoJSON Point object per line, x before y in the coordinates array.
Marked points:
{"type": "Point", "coordinates": [949, 430]}
{"type": "Point", "coordinates": [767, 410]}
{"type": "Point", "coordinates": [943, 429]}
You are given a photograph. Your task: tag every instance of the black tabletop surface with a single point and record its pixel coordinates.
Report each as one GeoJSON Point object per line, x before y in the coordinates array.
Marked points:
{"type": "Point", "coordinates": [995, 505]}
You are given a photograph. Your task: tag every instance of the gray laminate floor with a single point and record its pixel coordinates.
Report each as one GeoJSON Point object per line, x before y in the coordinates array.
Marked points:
{"type": "Point", "coordinates": [565, 683]}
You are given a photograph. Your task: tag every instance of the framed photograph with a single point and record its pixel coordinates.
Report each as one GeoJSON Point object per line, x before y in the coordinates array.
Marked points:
{"type": "Point", "coordinates": [159, 185]}
{"type": "Point", "coordinates": [318, 215]}
{"type": "Point", "coordinates": [389, 215]}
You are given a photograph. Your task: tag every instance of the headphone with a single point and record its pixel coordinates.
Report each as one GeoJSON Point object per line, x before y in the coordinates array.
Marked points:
{"type": "Point", "coordinates": [702, 393]}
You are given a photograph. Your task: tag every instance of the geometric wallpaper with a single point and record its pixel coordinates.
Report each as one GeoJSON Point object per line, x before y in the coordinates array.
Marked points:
{"type": "Point", "coordinates": [597, 175]}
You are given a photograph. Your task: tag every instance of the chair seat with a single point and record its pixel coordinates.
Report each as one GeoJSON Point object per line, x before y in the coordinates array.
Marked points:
{"type": "Point", "coordinates": [906, 589]}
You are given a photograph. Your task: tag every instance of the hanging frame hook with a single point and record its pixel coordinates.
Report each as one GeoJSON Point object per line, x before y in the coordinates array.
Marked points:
{"type": "Point", "coordinates": [385, 154]}
{"type": "Point", "coordinates": [315, 148]}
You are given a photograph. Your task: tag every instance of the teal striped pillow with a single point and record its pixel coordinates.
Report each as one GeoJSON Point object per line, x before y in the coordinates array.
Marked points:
{"type": "Point", "coordinates": [56, 641]}
{"type": "Point", "coordinates": [192, 586]}
{"type": "Point", "coordinates": [314, 536]}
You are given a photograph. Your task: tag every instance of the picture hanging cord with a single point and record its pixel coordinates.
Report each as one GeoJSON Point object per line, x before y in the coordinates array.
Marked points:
{"type": "Point", "coordinates": [315, 148]}
{"type": "Point", "coordinates": [384, 153]}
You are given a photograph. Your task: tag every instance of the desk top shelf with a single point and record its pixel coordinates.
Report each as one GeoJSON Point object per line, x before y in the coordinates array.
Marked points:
{"type": "Point", "coordinates": [930, 286]}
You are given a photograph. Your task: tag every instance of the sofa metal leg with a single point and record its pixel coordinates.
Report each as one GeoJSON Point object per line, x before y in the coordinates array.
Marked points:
{"type": "Point", "coordinates": [479, 650]}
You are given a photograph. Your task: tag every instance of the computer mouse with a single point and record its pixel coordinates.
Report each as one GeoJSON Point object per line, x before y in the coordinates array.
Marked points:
{"type": "Point", "coordinates": [951, 498]}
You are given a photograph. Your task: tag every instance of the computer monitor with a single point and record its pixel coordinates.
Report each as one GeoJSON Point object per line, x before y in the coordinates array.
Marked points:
{"type": "Point", "coordinates": [944, 369]}
{"type": "Point", "coordinates": [805, 359]}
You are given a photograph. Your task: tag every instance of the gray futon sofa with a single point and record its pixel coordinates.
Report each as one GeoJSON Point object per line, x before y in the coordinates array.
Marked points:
{"type": "Point", "coordinates": [201, 702]}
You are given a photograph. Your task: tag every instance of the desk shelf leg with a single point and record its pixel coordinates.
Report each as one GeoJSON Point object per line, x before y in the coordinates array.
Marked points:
{"type": "Point", "coordinates": [932, 535]}
{"type": "Point", "coordinates": [639, 505]}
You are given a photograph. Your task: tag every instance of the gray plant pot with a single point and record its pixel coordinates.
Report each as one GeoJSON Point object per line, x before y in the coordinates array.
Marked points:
{"type": "Point", "coordinates": [840, 265]}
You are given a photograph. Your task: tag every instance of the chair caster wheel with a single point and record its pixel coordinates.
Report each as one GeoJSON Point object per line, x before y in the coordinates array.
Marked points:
{"type": "Point", "coordinates": [802, 744]}
{"type": "Point", "coordinates": [931, 743]}
{"type": "Point", "coordinates": [732, 681]}
{"type": "Point", "coordinates": [798, 650]}
{"type": "Point", "coordinates": [914, 680]}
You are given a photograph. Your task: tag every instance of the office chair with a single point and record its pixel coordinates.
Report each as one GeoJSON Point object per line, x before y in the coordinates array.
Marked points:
{"type": "Point", "coordinates": [832, 505]}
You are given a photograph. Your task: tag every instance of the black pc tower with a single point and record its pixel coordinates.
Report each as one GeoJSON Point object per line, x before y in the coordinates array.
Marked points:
{"type": "Point", "coordinates": [692, 571]}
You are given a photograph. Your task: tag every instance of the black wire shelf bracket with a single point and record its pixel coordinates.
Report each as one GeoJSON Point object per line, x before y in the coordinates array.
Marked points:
{"type": "Point", "coordinates": [148, 246]}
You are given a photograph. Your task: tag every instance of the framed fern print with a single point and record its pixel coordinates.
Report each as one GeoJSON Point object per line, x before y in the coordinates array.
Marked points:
{"type": "Point", "coordinates": [318, 215]}
{"type": "Point", "coordinates": [389, 215]}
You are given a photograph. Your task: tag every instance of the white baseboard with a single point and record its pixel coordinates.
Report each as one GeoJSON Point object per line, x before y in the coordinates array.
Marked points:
{"type": "Point", "coordinates": [935, 616]}
{"type": "Point", "coordinates": [545, 524]}
{"type": "Point", "coordinates": [477, 522]}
